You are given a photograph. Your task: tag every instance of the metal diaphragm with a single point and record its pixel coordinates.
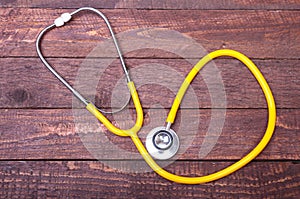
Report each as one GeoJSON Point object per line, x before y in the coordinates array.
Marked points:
{"type": "Point", "coordinates": [162, 144]}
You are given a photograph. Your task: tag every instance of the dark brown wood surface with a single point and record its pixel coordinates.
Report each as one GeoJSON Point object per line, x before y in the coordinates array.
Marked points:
{"type": "Point", "coordinates": [50, 133]}
{"type": "Point", "coordinates": [90, 179]}
{"type": "Point", "coordinates": [42, 152]}
{"type": "Point", "coordinates": [257, 33]}
{"type": "Point", "coordinates": [157, 4]}
{"type": "Point", "coordinates": [23, 89]}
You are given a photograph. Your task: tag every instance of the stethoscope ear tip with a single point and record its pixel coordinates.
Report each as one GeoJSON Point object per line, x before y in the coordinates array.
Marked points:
{"type": "Point", "coordinates": [162, 143]}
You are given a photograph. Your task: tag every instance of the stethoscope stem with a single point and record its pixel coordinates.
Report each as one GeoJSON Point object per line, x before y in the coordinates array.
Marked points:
{"type": "Point", "coordinates": [168, 126]}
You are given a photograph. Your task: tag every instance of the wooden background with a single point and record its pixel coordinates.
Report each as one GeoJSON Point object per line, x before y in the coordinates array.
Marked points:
{"type": "Point", "coordinates": [43, 157]}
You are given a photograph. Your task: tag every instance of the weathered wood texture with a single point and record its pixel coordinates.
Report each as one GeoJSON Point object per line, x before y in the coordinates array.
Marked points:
{"type": "Point", "coordinates": [258, 34]}
{"type": "Point", "coordinates": [51, 134]}
{"type": "Point", "coordinates": [48, 148]}
{"type": "Point", "coordinates": [20, 86]}
{"type": "Point", "coordinates": [75, 179]}
{"type": "Point", "coordinates": [157, 4]}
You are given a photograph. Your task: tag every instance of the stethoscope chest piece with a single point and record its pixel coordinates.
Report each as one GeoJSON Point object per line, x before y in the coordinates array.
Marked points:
{"type": "Point", "coordinates": [162, 144]}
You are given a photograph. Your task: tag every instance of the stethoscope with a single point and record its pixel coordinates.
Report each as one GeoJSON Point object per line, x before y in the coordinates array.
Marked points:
{"type": "Point", "coordinates": [162, 143]}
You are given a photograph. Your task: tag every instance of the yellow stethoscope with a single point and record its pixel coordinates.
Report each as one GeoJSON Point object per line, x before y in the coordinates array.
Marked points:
{"type": "Point", "coordinates": [164, 142]}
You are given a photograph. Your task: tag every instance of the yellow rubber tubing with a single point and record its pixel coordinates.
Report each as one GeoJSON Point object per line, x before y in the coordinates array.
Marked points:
{"type": "Point", "coordinates": [211, 177]}
{"type": "Point", "coordinates": [120, 132]}
{"type": "Point", "coordinates": [246, 159]}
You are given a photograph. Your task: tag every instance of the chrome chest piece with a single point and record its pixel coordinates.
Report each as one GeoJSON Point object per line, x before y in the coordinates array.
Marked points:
{"type": "Point", "coordinates": [162, 143]}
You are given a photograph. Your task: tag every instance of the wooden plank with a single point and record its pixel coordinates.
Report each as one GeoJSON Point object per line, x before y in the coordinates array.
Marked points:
{"type": "Point", "coordinates": [258, 34]}
{"type": "Point", "coordinates": [52, 134]}
{"type": "Point", "coordinates": [156, 4]}
{"type": "Point", "coordinates": [77, 179]}
{"type": "Point", "coordinates": [26, 83]}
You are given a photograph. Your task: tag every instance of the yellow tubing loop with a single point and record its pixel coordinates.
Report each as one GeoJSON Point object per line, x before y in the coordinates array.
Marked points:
{"type": "Point", "coordinates": [172, 114]}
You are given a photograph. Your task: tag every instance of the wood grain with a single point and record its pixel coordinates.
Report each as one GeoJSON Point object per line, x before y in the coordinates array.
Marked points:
{"type": "Point", "coordinates": [48, 150]}
{"type": "Point", "coordinates": [77, 179]}
{"type": "Point", "coordinates": [156, 4]}
{"type": "Point", "coordinates": [57, 134]}
{"type": "Point", "coordinates": [26, 83]}
{"type": "Point", "coordinates": [258, 34]}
